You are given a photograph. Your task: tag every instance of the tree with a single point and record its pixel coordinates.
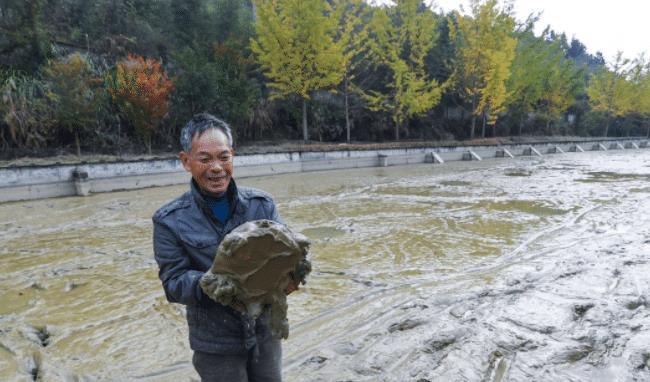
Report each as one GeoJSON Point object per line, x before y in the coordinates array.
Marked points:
{"type": "Point", "coordinates": [295, 48]}
{"type": "Point", "coordinates": [640, 79]}
{"type": "Point", "coordinates": [72, 89]}
{"type": "Point", "coordinates": [401, 36]}
{"type": "Point", "coordinates": [562, 82]}
{"type": "Point", "coordinates": [140, 88]}
{"type": "Point", "coordinates": [351, 37]}
{"type": "Point", "coordinates": [610, 92]}
{"type": "Point", "coordinates": [195, 88]}
{"type": "Point", "coordinates": [218, 79]}
{"type": "Point", "coordinates": [526, 81]}
{"type": "Point", "coordinates": [24, 42]}
{"type": "Point", "coordinates": [238, 91]}
{"type": "Point", "coordinates": [191, 24]}
{"type": "Point", "coordinates": [486, 48]}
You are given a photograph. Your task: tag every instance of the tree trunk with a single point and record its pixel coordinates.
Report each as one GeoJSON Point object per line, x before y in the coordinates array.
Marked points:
{"type": "Point", "coordinates": [76, 141]}
{"type": "Point", "coordinates": [548, 125]}
{"type": "Point", "coordinates": [494, 129]}
{"type": "Point", "coordinates": [471, 134]}
{"type": "Point", "coordinates": [149, 143]}
{"type": "Point", "coordinates": [5, 143]}
{"type": "Point", "coordinates": [35, 10]}
{"type": "Point", "coordinates": [396, 131]}
{"type": "Point", "coordinates": [347, 109]}
{"type": "Point", "coordinates": [119, 133]}
{"type": "Point", "coordinates": [606, 127]}
{"type": "Point", "coordinates": [483, 126]}
{"type": "Point", "coordinates": [305, 134]}
{"type": "Point", "coordinates": [521, 124]}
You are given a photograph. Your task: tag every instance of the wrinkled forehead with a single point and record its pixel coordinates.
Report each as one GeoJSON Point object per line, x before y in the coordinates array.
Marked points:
{"type": "Point", "coordinates": [211, 140]}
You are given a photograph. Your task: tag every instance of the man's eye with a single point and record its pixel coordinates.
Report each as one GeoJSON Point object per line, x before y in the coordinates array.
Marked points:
{"type": "Point", "coordinates": [204, 160]}
{"type": "Point", "coordinates": [225, 158]}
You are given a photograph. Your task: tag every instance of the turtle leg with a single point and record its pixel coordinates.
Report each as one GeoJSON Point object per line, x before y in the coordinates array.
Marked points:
{"type": "Point", "coordinates": [303, 268]}
{"type": "Point", "coordinates": [279, 323]}
{"type": "Point", "coordinates": [218, 287]}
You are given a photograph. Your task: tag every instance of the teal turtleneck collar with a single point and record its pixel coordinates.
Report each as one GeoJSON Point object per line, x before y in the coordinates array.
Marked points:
{"type": "Point", "coordinates": [220, 206]}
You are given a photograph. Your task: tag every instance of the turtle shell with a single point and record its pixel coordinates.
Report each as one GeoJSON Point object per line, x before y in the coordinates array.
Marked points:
{"type": "Point", "coordinates": [253, 266]}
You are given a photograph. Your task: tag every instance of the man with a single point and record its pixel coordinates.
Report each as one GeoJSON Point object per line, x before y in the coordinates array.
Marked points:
{"type": "Point", "coordinates": [228, 345]}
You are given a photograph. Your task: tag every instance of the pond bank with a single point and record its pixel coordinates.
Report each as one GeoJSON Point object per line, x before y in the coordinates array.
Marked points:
{"type": "Point", "coordinates": [26, 180]}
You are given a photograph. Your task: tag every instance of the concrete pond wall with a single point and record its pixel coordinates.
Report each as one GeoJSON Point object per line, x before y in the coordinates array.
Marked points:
{"type": "Point", "coordinates": [36, 182]}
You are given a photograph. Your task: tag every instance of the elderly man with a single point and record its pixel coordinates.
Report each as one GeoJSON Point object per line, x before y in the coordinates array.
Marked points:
{"type": "Point", "coordinates": [228, 345]}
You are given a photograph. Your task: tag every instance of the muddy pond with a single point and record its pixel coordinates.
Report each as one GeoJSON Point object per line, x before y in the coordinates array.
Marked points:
{"type": "Point", "coordinates": [527, 269]}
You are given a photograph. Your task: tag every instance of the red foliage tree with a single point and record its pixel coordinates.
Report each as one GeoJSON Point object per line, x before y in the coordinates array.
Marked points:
{"type": "Point", "coordinates": [141, 89]}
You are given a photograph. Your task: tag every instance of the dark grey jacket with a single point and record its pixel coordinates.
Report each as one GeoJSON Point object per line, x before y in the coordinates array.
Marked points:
{"type": "Point", "coordinates": [185, 241]}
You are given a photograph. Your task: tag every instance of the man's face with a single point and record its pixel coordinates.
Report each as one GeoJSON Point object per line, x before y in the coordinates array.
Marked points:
{"type": "Point", "coordinates": [210, 161]}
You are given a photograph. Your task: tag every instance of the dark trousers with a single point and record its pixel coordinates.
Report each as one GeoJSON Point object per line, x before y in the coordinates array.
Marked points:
{"type": "Point", "coordinates": [266, 367]}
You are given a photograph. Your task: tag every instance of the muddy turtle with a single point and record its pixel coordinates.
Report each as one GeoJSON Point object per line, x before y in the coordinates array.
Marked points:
{"type": "Point", "coordinates": [254, 265]}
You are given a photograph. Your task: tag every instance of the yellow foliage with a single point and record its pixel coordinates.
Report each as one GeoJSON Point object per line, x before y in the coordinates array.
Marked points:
{"type": "Point", "coordinates": [351, 34]}
{"type": "Point", "coordinates": [71, 90]}
{"type": "Point", "coordinates": [610, 91]}
{"type": "Point", "coordinates": [402, 35]}
{"type": "Point", "coordinates": [639, 77]}
{"type": "Point", "coordinates": [295, 46]}
{"type": "Point", "coordinates": [486, 49]}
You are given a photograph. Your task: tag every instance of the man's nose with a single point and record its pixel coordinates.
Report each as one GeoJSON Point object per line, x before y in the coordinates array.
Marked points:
{"type": "Point", "coordinates": [216, 166]}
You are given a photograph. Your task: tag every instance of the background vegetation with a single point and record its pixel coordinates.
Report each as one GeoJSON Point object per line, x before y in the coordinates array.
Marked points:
{"type": "Point", "coordinates": [113, 76]}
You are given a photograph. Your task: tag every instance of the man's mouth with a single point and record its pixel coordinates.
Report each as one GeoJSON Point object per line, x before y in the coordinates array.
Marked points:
{"type": "Point", "coordinates": [216, 178]}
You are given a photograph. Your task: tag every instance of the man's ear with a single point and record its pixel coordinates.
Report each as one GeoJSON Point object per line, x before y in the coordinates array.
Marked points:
{"type": "Point", "coordinates": [185, 160]}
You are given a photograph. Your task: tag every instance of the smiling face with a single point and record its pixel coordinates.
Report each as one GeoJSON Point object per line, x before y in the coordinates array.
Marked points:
{"type": "Point", "coordinates": [210, 161]}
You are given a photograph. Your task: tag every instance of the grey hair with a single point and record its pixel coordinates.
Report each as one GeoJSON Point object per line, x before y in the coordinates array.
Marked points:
{"type": "Point", "coordinates": [199, 124]}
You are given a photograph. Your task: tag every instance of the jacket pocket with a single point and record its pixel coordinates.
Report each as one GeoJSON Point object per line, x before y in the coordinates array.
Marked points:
{"type": "Point", "coordinates": [199, 240]}
{"type": "Point", "coordinates": [201, 247]}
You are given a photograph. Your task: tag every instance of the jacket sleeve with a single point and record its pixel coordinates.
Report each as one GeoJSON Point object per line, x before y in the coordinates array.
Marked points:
{"type": "Point", "coordinates": [272, 212]}
{"type": "Point", "coordinates": [180, 282]}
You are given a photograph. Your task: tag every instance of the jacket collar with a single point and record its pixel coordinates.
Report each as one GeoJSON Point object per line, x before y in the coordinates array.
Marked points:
{"type": "Point", "coordinates": [234, 198]}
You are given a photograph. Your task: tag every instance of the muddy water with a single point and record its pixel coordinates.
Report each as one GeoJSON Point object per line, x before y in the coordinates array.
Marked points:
{"type": "Point", "coordinates": [504, 270]}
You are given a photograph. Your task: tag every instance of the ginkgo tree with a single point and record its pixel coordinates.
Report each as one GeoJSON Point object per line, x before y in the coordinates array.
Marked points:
{"type": "Point", "coordinates": [294, 45]}
{"type": "Point", "coordinates": [562, 82]}
{"type": "Point", "coordinates": [401, 35]}
{"type": "Point", "coordinates": [486, 49]}
{"type": "Point", "coordinates": [526, 75]}
{"type": "Point", "coordinates": [640, 78]}
{"type": "Point", "coordinates": [610, 91]}
{"type": "Point", "coordinates": [351, 37]}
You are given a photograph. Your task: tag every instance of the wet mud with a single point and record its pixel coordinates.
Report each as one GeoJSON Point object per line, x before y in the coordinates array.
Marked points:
{"type": "Point", "coordinates": [533, 269]}
{"type": "Point", "coordinates": [564, 296]}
